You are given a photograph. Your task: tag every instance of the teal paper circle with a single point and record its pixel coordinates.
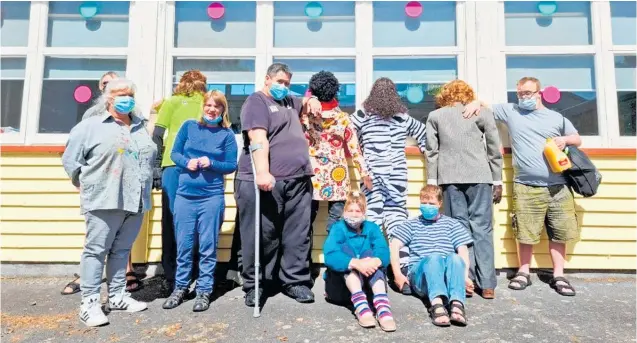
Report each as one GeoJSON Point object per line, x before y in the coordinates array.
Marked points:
{"type": "Point", "coordinates": [88, 10]}
{"type": "Point", "coordinates": [415, 95]}
{"type": "Point", "coordinates": [547, 7]}
{"type": "Point", "coordinates": [313, 9]}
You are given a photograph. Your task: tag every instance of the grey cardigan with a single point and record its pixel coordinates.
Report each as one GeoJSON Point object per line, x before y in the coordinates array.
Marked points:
{"type": "Point", "coordinates": [456, 150]}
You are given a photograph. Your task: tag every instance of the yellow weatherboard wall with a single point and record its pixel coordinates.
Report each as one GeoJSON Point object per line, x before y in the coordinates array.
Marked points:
{"type": "Point", "coordinates": [41, 221]}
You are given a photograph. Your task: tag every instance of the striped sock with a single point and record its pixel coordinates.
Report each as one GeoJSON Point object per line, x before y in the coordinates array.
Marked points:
{"type": "Point", "coordinates": [359, 300]}
{"type": "Point", "coordinates": [381, 303]}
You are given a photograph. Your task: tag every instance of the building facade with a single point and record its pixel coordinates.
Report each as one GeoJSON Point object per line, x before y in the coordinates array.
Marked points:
{"type": "Point", "coordinates": [53, 53]}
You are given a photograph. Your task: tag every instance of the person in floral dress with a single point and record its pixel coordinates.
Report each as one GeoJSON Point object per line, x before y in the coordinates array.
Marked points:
{"type": "Point", "coordinates": [330, 136]}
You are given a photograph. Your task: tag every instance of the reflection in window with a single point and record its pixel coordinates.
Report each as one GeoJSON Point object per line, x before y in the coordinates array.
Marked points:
{"type": "Point", "coordinates": [417, 80]}
{"type": "Point", "coordinates": [334, 28]}
{"type": "Point", "coordinates": [436, 26]}
{"type": "Point", "coordinates": [344, 69]}
{"type": "Point", "coordinates": [626, 90]}
{"type": "Point", "coordinates": [62, 106]}
{"type": "Point", "coordinates": [573, 75]}
{"type": "Point", "coordinates": [195, 29]}
{"type": "Point", "coordinates": [11, 90]}
{"type": "Point", "coordinates": [569, 25]}
{"type": "Point", "coordinates": [14, 23]}
{"type": "Point", "coordinates": [108, 28]}
{"type": "Point", "coordinates": [234, 77]}
{"type": "Point", "coordinates": [624, 22]}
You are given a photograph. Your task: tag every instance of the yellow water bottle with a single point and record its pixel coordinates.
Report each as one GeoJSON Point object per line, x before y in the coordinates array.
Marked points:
{"type": "Point", "coordinates": [557, 159]}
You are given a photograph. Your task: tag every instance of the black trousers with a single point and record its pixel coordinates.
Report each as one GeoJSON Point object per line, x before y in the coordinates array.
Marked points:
{"type": "Point", "coordinates": [285, 231]}
{"type": "Point", "coordinates": [236, 257]}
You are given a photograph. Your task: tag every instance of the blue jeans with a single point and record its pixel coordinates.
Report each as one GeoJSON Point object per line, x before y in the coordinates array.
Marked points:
{"type": "Point", "coordinates": [202, 218]}
{"type": "Point", "coordinates": [439, 275]}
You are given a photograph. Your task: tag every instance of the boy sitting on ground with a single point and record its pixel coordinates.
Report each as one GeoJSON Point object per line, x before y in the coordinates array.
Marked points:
{"type": "Point", "coordinates": [438, 259]}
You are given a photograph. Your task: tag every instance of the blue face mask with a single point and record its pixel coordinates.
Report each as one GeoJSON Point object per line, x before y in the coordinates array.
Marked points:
{"type": "Point", "coordinates": [429, 212]}
{"type": "Point", "coordinates": [215, 121]}
{"type": "Point", "coordinates": [124, 104]}
{"type": "Point", "coordinates": [278, 91]}
{"type": "Point", "coordinates": [527, 104]}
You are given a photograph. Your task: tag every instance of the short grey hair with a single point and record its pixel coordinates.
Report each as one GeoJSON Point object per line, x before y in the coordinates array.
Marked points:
{"type": "Point", "coordinates": [278, 67]}
{"type": "Point", "coordinates": [115, 86]}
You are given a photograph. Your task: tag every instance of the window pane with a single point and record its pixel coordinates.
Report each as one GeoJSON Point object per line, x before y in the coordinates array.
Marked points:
{"type": "Point", "coordinates": [14, 23]}
{"type": "Point", "coordinates": [234, 77]}
{"type": "Point", "coordinates": [11, 90]}
{"type": "Point", "coordinates": [417, 80]}
{"type": "Point", "coordinates": [525, 25]}
{"type": "Point", "coordinates": [335, 27]}
{"type": "Point", "coordinates": [59, 110]}
{"type": "Point", "coordinates": [67, 28]}
{"type": "Point", "coordinates": [436, 26]}
{"type": "Point", "coordinates": [573, 75]}
{"type": "Point", "coordinates": [236, 29]}
{"type": "Point", "coordinates": [626, 90]}
{"type": "Point", "coordinates": [344, 70]}
{"type": "Point", "coordinates": [624, 22]}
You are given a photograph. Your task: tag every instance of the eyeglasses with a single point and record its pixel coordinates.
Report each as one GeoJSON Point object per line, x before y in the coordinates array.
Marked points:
{"type": "Point", "coordinates": [526, 94]}
{"type": "Point", "coordinates": [104, 84]}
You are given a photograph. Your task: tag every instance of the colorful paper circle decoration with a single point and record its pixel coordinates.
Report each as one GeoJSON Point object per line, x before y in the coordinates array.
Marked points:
{"type": "Point", "coordinates": [551, 94]}
{"type": "Point", "coordinates": [313, 9]}
{"type": "Point", "coordinates": [82, 94]}
{"type": "Point", "coordinates": [547, 7]}
{"type": "Point", "coordinates": [415, 94]}
{"type": "Point", "coordinates": [216, 10]}
{"type": "Point", "coordinates": [88, 10]}
{"type": "Point", "coordinates": [413, 9]}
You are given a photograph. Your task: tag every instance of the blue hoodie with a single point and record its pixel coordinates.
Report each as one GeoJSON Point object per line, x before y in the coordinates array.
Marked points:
{"type": "Point", "coordinates": [370, 238]}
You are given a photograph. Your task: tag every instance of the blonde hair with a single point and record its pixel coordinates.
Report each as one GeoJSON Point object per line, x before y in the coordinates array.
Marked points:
{"type": "Point", "coordinates": [455, 91]}
{"type": "Point", "coordinates": [431, 191]}
{"type": "Point", "coordinates": [219, 99]}
{"type": "Point", "coordinates": [190, 83]}
{"type": "Point", "coordinates": [530, 79]}
{"type": "Point", "coordinates": [356, 197]}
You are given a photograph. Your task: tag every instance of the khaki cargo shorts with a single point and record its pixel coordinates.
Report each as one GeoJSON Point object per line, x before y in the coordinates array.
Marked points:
{"type": "Point", "coordinates": [535, 207]}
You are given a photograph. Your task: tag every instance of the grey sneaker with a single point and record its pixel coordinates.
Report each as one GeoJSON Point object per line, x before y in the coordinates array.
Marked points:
{"type": "Point", "coordinates": [124, 302]}
{"type": "Point", "coordinates": [91, 311]}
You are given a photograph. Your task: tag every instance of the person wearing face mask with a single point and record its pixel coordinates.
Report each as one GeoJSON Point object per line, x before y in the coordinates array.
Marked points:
{"type": "Point", "coordinates": [438, 259]}
{"type": "Point", "coordinates": [98, 108]}
{"type": "Point", "coordinates": [110, 158]}
{"type": "Point", "coordinates": [204, 151]}
{"type": "Point", "coordinates": [356, 255]}
{"type": "Point", "coordinates": [270, 120]}
{"type": "Point", "coordinates": [540, 196]}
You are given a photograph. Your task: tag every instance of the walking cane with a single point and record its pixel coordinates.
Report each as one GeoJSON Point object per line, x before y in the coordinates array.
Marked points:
{"type": "Point", "coordinates": [257, 234]}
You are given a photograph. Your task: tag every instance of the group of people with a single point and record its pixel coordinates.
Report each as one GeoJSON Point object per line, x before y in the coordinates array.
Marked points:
{"type": "Point", "coordinates": [299, 149]}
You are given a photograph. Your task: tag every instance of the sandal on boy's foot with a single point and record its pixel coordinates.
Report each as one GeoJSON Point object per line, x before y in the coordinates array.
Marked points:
{"type": "Point", "coordinates": [559, 288]}
{"type": "Point", "coordinates": [74, 286]}
{"type": "Point", "coordinates": [460, 312]}
{"type": "Point", "coordinates": [433, 314]}
{"type": "Point", "coordinates": [134, 284]}
{"type": "Point", "coordinates": [518, 285]}
{"type": "Point", "coordinates": [366, 320]}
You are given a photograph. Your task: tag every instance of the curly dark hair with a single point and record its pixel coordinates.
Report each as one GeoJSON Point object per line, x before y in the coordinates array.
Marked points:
{"type": "Point", "coordinates": [383, 99]}
{"type": "Point", "coordinates": [324, 85]}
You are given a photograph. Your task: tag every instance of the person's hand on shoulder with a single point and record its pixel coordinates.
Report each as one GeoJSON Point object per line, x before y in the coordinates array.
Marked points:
{"type": "Point", "coordinates": [472, 109]}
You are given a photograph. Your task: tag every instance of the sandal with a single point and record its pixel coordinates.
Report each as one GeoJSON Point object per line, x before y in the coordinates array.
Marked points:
{"type": "Point", "coordinates": [73, 285]}
{"type": "Point", "coordinates": [461, 313]}
{"type": "Point", "coordinates": [521, 283]}
{"type": "Point", "coordinates": [434, 315]}
{"type": "Point", "coordinates": [130, 283]}
{"type": "Point", "coordinates": [560, 288]}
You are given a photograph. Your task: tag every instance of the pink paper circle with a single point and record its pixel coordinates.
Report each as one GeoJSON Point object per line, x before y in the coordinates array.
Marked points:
{"type": "Point", "coordinates": [216, 10]}
{"type": "Point", "coordinates": [82, 94]}
{"type": "Point", "coordinates": [413, 9]}
{"type": "Point", "coordinates": [551, 94]}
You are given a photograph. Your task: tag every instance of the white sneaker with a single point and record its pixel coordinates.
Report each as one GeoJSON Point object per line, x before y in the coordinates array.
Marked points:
{"type": "Point", "coordinates": [91, 311]}
{"type": "Point", "coordinates": [124, 302]}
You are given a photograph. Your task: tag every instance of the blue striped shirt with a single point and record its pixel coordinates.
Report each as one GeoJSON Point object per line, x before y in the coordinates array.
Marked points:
{"type": "Point", "coordinates": [425, 237]}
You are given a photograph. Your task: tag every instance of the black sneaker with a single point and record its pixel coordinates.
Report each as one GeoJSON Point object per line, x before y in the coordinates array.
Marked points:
{"type": "Point", "coordinates": [175, 299]}
{"type": "Point", "coordinates": [300, 293]}
{"type": "Point", "coordinates": [249, 297]}
{"type": "Point", "coordinates": [202, 302]}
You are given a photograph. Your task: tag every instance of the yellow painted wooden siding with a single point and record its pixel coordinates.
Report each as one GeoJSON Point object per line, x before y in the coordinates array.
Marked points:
{"type": "Point", "coordinates": [41, 220]}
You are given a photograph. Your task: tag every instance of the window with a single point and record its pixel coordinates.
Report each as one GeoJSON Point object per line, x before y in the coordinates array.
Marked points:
{"type": "Point", "coordinates": [525, 25]}
{"type": "Point", "coordinates": [418, 79]}
{"type": "Point", "coordinates": [334, 28]}
{"type": "Point", "coordinates": [573, 75]}
{"type": "Point", "coordinates": [624, 22]}
{"type": "Point", "coordinates": [11, 91]}
{"type": "Point", "coordinates": [344, 69]}
{"type": "Point", "coordinates": [233, 77]}
{"type": "Point", "coordinates": [626, 90]}
{"type": "Point", "coordinates": [14, 23]}
{"type": "Point", "coordinates": [195, 29]}
{"type": "Point", "coordinates": [435, 26]}
{"type": "Point", "coordinates": [107, 28]}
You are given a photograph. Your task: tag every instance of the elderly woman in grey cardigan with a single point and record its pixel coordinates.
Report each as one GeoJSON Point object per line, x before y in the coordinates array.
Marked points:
{"type": "Point", "coordinates": [109, 157]}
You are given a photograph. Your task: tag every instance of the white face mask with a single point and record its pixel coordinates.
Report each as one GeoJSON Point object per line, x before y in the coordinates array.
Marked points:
{"type": "Point", "coordinates": [354, 222]}
{"type": "Point", "coordinates": [527, 104]}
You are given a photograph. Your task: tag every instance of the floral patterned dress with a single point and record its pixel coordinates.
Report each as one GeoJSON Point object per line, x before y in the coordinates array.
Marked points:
{"type": "Point", "coordinates": [331, 180]}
